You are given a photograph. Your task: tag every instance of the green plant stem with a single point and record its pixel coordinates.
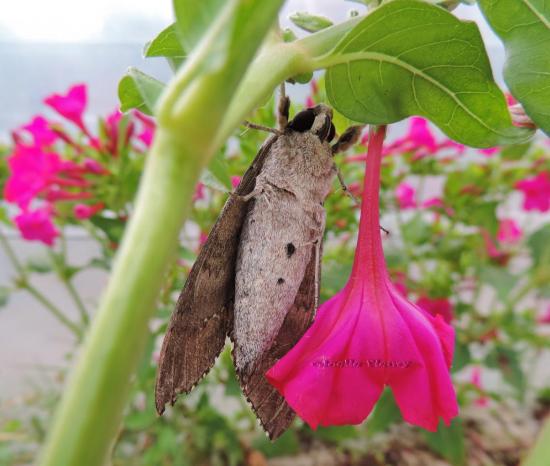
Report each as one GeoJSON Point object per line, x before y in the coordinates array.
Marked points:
{"type": "Point", "coordinates": [23, 282]}
{"type": "Point", "coordinates": [12, 256]}
{"type": "Point", "coordinates": [276, 62]}
{"type": "Point", "coordinates": [540, 454]}
{"type": "Point", "coordinates": [90, 412]}
{"type": "Point", "coordinates": [67, 282]}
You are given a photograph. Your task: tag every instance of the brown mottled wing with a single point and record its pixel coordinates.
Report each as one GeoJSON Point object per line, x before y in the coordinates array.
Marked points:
{"type": "Point", "coordinates": [274, 414]}
{"type": "Point", "coordinates": [204, 311]}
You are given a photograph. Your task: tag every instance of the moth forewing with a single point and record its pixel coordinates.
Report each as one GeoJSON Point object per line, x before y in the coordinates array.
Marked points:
{"type": "Point", "coordinates": [256, 278]}
{"type": "Point", "coordinates": [203, 314]}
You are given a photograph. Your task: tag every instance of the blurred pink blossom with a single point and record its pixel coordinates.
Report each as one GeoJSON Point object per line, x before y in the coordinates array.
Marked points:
{"type": "Point", "coordinates": [32, 170]}
{"type": "Point", "coordinates": [405, 195]}
{"type": "Point", "coordinates": [199, 192]}
{"type": "Point", "coordinates": [70, 105]}
{"type": "Point", "coordinates": [235, 181]}
{"type": "Point", "coordinates": [489, 151]}
{"type": "Point", "coordinates": [41, 132]}
{"type": "Point", "coordinates": [536, 191]}
{"type": "Point", "coordinates": [84, 211]}
{"type": "Point", "coordinates": [545, 318]}
{"type": "Point", "coordinates": [309, 102]}
{"type": "Point", "coordinates": [37, 225]}
{"type": "Point", "coordinates": [475, 379]}
{"type": "Point", "coordinates": [93, 166]}
{"type": "Point", "coordinates": [437, 306]}
{"type": "Point", "coordinates": [509, 231]}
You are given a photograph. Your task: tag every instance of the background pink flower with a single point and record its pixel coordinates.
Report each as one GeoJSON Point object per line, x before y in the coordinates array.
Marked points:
{"type": "Point", "coordinates": [536, 191]}
{"type": "Point", "coordinates": [509, 231]}
{"type": "Point", "coordinates": [437, 306]}
{"type": "Point", "coordinates": [71, 105]}
{"type": "Point", "coordinates": [37, 225]}
{"type": "Point", "coordinates": [32, 170]}
{"type": "Point", "coordinates": [405, 195]}
{"type": "Point", "coordinates": [41, 131]}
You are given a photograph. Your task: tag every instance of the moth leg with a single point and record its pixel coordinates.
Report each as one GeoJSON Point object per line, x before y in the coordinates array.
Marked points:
{"type": "Point", "coordinates": [344, 186]}
{"type": "Point", "coordinates": [251, 125]}
{"type": "Point", "coordinates": [283, 108]}
{"type": "Point", "coordinates": [348, 138]}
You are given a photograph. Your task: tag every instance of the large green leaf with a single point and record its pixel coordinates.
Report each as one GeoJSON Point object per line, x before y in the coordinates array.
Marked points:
{"type": "Point", "coordinates": [309, 22]}
{"type": "Point", "coordinates": [524, 27]}
{"type": "Point", "coordinates": [449, 442]}
{"type": "Point", "coordinates": [166, 44]}
{"type": "Point", "coordinates": [411, 58]}
{"type": "Point", "coordinates": [193, 18]}
{"type": "Point", "coordinates": [139, 90]}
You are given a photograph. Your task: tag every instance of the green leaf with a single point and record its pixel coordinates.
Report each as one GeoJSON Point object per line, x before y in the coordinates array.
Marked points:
{"type": "Point", "coordinates": [193, 18]}
{"type": "Point", "coordinates": [524, 27]}
{"type": "Point", "coordinates": [539, 243]}
{"type": "Point", "coordinates": [336, 434]}
{"type": "Point", "coordinates": [386, 412]}
{"type": "Point", "coordinates": [449, 442]}
{"type": "Point", "coordinates": [139, 90]}
{"type": "Point", "coordinates": [309, 22]}
{"type": "Point", "coordinates": [500, 279]}
{"type": "Point", "coordinates": [411, 58]}
{"type": "Point", "coordinates": [218, 169]}
{"type": "Point", "coordinates": [507, 360]}
{"type": "Point", "coordinates": [166, 44]}
{"type": "Point", "coordinates": [287, 444]}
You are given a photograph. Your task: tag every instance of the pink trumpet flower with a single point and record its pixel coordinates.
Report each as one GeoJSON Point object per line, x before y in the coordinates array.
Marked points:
{"type": "Point", "coordinates": [536, 191]}
{"type": "Point", "coordinates": [369, 336]}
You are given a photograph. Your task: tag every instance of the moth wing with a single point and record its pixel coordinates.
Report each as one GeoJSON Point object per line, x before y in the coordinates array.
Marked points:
{"type": "Point", "coordinates": [203, 314]}
{"type": "Point", "coordinates": [270, 407]}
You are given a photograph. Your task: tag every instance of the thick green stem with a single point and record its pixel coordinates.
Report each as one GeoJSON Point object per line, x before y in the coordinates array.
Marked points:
{"type": "Point", "coordinates": [540, 454]}
{"type": "Point", "coordinates": [91, 410]}
{"type": "Point", "coordinates": [194, 104]}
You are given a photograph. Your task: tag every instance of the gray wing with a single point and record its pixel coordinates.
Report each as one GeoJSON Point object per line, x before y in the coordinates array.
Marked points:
{"type": "Point", "coordinates": [274, 414]}
{"type": "Point", "coordinates": [204, 311]}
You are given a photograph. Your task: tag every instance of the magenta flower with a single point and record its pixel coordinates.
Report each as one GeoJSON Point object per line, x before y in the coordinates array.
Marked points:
{"type": "Point", "coordinates": [419, 140]}
{"type": "Point", "coordinates": [489, 151]}
{"type": "Point", "coordinates": [369, 336]}
{"type": "Point", "coordinates": [37, 225]}
{"type": "Point", "coordinates": [475, 380]}
{"type": "Point", "coordinates": [405, 195]}
{"type": "Point", "coordinates": [509, 231]}
{"type": "Point", "coordinates": [437, 306]}
{"type": "Point", "coordinates": [32, 170]}
{"type": "Point", "coordinates": [71, 106]}
{"type": "Point", "coordinates": [148, 128]}
{"type": "Point", "coordinates": [199, 193]}
{"type": "Point", "coordinates": [235, 181]}
{"type": "Point", "coordinates": [536, 191]}
{"type": "Point", "coordinates": [41, 132]}
{"type": "Point", "coordinates": [545, 318]}
{"type": "Point", "coordinates": [84, 211]}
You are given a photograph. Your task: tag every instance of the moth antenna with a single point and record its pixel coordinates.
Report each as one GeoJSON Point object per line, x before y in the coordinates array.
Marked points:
{"type": "Point", "coordinates": [251, 125]}
{"type": "Point", "coordinates": [283, 108]}
{"type": "Point", "coordinates": [348, 138]}
{"type": "Point", "coordinates": [344, 186]}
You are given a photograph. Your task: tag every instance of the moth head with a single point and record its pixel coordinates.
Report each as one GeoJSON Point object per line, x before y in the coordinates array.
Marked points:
{"type": "Point", "coordinates": [317, 120]}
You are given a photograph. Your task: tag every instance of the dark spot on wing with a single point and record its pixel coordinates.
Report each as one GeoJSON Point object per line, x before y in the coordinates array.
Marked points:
{"type": "Point", "coordinates": [290, 250]}
{"type": "Point", "coordinates": [280, 281]}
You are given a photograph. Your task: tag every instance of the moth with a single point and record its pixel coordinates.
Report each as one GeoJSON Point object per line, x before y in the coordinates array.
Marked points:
{"type": "Point", "coordinates": [256, 278]}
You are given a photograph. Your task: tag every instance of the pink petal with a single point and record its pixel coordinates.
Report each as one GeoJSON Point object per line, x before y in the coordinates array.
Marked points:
{"type": "Point", "coordinates": [405, 195]}
{"type": "Point", "coordinates": [71, 105]}
{"type": "Point", "coordinates": [37, 225]}
{"type": "Point", "coordinates": [509, 231]}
